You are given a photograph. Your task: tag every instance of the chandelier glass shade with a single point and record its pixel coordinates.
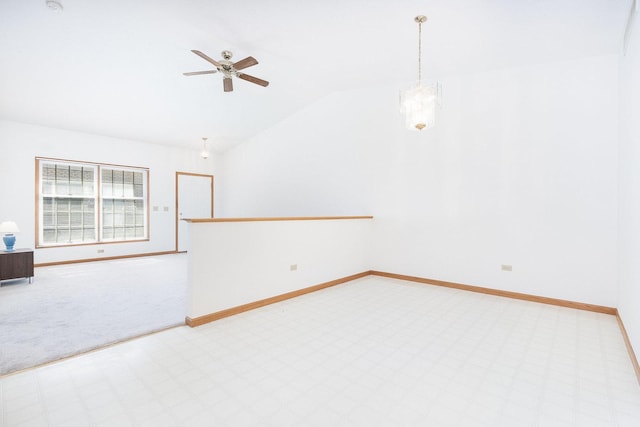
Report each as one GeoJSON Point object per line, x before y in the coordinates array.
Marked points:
{"type": "Point", "coordinates": [419, 102]}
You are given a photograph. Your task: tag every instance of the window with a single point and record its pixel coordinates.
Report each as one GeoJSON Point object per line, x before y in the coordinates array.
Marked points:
{"type": "Point", "coordinates": [123, 204]}
{"type": "Point", "coordinates": [82, 203]}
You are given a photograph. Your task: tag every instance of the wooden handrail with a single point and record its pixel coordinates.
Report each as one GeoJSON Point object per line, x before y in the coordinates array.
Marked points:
{"type": "Point", "coordinates": [284, 218]}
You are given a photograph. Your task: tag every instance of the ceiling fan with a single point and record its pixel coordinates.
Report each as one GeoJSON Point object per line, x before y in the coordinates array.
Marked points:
{"type": "Point", "coordinates": [229, 69]}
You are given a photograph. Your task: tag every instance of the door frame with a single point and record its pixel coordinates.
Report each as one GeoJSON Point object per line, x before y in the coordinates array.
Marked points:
{"type": "Point", "coordinates": [178, 173]}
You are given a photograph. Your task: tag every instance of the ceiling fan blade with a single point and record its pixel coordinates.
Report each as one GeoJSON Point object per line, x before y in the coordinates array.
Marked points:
{"type": "Point", "coordinates": [197, 73]}
{"type": "Point", "coordinates": [252, 79]}
{"type": "Point", "coordinates": [206, 58]}
{"type": "Point", "coordinates": [228, 84]}
{"type": "Point", "coordinates": [244, 63]}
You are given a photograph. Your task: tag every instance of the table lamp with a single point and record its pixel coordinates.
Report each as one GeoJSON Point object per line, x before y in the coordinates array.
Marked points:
{"type": "Point", "coordinates": [8, 228]}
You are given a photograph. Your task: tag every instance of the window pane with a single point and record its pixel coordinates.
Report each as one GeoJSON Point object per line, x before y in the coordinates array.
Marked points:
{"type": "Point", "coordinates": [62, 213]}
{"type": "Point", "coordinates": [89, 234]}
{"type": "Point", "coordinates": [62, 219]}
{"type": "Point", "coordinates": [107, 183]}
{"type": "Point", "coordinates": [76, 234]}
{"type": "Point", "coordinates": [48, 178]}
{"type": "Point", "coordinates": [128, 184]}
{"type": "Point", "coordinates": [75, 219]}
{"type": "Point", "coordinates": [75, 212]}
{"type": "Point", "coordinates": [49, 236]}
{"type": "Point", "coordinates": [75, 181]}
{"type": "Point", "coordinates": [62, 235]}
{"type": "Point", "coordinates": [107, 233]}
{"type": "Point", "coordinates": [90, 215]}
{"type": "Point", "coordinates": [88, 181]}
{"type": "Point", "coordinates": [118, 178]}
{"type": "Point", "coordinates": [47, 212]}
{"type": "Point", "coordinates": [62, 180]}
{"type": "Point", "coordinates": [118, 233]}
{"type": "Point", "coordinates": [118, 213]}
{"type": "Point", "coordinates": [129, 213]}
{"type": "Point", "coordinates": [88, 219]}
{"type": "Point", "coordinates": [139, 209]}
{"type": "Point", "coordinates": [138, 184]}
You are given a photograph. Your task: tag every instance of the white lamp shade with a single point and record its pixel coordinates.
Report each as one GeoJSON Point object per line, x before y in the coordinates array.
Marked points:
{"type": "Point", "coordinates": [9, 227]}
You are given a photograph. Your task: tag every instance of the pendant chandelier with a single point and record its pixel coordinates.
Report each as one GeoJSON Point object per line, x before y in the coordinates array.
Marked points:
{"type": "Point", "coordinates": [419, 102]}
{"type": "Point", "coordinates": [204, 153]}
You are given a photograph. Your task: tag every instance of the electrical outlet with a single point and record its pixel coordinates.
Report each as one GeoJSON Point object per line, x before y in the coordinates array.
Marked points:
{"type": "Point", "coordinates": [293, 267]}
{"type": "Point", "coordinates": [100, 251]}
{"type": "Point", "coordinates": [166, 208]}
{"type": "Point", "coordinates": [155, 209]}
{"type": "Point", "coordinates": [506, 267]}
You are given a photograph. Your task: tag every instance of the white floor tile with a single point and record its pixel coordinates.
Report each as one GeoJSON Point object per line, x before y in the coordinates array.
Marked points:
{"type": "Point", "coordinates": [373, 352]}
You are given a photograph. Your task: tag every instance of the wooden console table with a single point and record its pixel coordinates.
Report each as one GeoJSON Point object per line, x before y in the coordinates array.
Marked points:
{"type": "Point", "coordinates": [17, 264]}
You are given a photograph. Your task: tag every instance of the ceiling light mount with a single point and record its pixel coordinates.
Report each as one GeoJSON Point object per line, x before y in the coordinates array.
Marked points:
{"type": "Point", "coordinates": [420, 19]}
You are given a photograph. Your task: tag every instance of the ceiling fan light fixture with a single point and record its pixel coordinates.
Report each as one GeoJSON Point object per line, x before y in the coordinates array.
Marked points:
{"type": "Point", "coordinates": [204, 153]}
{"type": "Point", "coordinates": [419, 102]}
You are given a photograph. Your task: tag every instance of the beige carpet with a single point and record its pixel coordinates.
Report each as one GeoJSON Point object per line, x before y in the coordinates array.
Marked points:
{"type": "Point", "coordinates": [70, 309]}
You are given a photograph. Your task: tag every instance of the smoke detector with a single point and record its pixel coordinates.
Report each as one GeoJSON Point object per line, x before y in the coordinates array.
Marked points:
{"type": "Point", "coordinates": [54, 5]}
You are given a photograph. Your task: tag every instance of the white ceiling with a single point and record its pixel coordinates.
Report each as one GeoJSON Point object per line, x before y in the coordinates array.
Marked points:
{"type": "Point", "coordinates": [114, 67]}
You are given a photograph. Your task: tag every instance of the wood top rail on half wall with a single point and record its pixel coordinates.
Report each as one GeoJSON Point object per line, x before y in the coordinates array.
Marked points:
{"type": "Point", "coordinates": [283, 218]}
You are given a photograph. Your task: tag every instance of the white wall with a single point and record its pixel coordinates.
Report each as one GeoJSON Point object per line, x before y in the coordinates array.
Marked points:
{"type": "Point", "coordinates": [236, 263]}
{"type": "Point", "coordinates": [22, 143]}
{"type": "Point", "coordinates": [629, 229]}
{"type": "Point", "coordinates": [521, 170]}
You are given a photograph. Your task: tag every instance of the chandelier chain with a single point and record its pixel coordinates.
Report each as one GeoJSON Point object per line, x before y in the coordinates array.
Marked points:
{"type": "Point", "coordinates": [419, 52]}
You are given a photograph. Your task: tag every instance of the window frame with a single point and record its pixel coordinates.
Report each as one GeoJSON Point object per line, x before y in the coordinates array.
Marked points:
{"type": "Point", "coordinates": [99, 202]}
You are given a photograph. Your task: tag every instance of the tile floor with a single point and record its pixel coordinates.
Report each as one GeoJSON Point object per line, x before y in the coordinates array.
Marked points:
{"type": "Point", "coordinates": [372, 352]}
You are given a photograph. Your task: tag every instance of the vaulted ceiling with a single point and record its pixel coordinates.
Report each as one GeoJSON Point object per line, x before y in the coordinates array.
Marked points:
{"type": "Point", "coordinates": [115, 67]}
